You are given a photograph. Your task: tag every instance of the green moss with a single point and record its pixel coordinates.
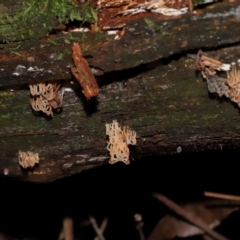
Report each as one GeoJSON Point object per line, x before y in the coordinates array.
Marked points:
{"type": "Point", "coordinates": [35, 18]}
{"type": "Point", "coordinates": [152, 26]}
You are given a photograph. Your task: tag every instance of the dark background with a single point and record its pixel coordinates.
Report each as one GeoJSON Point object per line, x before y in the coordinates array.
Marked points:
{"type": "Point", "coordinates": [118, 192]}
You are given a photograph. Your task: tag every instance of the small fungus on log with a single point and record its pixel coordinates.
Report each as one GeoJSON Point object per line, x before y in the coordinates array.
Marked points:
{"type": "Point", "coordinates": [119, 139]}
{"type": "Point", "coordinates": [83, 73]}
{"type": "Point", "coordinates": [233, 81]}
{"type": "Point", "coordinates": [46, 97]}
{"type": "Point", "coordinates": [28, 159]}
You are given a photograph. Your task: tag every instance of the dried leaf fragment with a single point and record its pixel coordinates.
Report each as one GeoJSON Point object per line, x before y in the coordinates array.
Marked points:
{"type": "Point", "coordinates": [119, 139]}
{"type": "Point", "coordinates": [230, 86]}
{"type": "Point", "coordinates": [132, 7]}
{"type": "Point", "coordinates": [27, 159]}
{"type": "Point", "coordinates": [83, 73]}
{"type": "Point", "coordinates": [208, 65]}
{"type": "Point", "coordinates": [209, 212]}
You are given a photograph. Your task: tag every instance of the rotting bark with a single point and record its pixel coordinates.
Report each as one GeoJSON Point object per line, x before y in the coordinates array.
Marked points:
{"type": "Point", "coordinates": [170, 111]}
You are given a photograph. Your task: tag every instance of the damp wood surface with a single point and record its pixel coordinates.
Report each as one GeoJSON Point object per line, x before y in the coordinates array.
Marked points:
{"type": "Point", "coordinates": [155, 91]}
{"type": "Point", "coordinates": [169, 107]}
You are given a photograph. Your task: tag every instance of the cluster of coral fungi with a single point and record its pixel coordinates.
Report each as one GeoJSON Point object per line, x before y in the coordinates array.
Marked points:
{"type": "Point", "coordinates": [27, 159]}
{"type": "Point", "coordinates": [46, 97]}
{"type": "Point", "coordinates": [119, 139]}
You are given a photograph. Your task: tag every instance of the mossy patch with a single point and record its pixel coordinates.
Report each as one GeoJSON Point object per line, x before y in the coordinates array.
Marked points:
{"type": "Point", "coordinates": [34, 19]}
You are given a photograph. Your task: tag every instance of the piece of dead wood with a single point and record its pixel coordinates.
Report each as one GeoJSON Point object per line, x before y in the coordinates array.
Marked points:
{"type": "Point", "coordinates": [197, 225]}
{"type": "Point", "coordinates": [83, 73]}
{"type": "Point", "coordinates": [67, 230]}
{"type": "Point", "coordinates": [102, 227]}
{"type": "Point", "coordinates": [139, 225]}
{"type": "Point", "coordinates": [222, 196]}
{"type": "Point", "coordinates": [96, 228]}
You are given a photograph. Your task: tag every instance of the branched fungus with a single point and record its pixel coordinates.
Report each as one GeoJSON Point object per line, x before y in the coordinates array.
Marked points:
{"type": "Point", "coordinates": [28, 159]}
{"type": "Point", "coordinates": [46, 97]}
{"type": "Point", "coordinates": [119, 139]}
{"type": "Point", "coordinates": [233, 81]}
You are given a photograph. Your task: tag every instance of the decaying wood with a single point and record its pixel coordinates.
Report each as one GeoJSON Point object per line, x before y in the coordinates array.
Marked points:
{"type": "Point", "coordinates": [166, 104]}
{"type": "Point", "coordinates": [45, 61]}
{"type": "Point", "coordinates": [169, 108]}
{"type": "Point", "coordinates": [83, 74]}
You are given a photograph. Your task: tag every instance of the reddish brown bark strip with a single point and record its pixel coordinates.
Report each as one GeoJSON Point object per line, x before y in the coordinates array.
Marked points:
{"type": "Point", "coordinates": [83, 73]}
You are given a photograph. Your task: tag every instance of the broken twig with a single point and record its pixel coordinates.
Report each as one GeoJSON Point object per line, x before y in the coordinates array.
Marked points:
{"type": "Point", "coordinates": [67, 230]}
{"type": "Point", "coordinates": [102, 227]}
{"type": "Point", "coordinates": [139, 225]}
{"type": "Point", "coordinates": [96, 228]}
{"type": "Point", "coordinates": [222, 196]}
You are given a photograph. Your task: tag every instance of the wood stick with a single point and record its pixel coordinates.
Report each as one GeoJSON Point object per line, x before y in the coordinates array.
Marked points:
{"type": "Point", "coordinates": [196, 221]}
{"type": "Point", "coordinates": [140, 231]}
{"type": "Point", "coordinates": [102, 227]}
{"type": "Point", "coordinates": [67, 230]}
{"type": "Point", "coordinates": [222, 196]}
{"type": "Point", "coordinates": [139, 225]}
{"type": "Point", "coordinates": [96, 228]}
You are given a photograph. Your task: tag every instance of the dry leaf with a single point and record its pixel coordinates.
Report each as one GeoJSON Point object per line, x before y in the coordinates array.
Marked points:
{"type": "Point", "coordinates": [211, 212]}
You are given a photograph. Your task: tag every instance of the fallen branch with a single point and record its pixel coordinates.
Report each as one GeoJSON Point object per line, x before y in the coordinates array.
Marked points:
{"type": "Point", "coordinates": [222, 196]}
{"type": "Point", "coordinates": [139, 225]}
{"type": "Point", "coordinates": [67, 231]}
{"type": "Point", "coordinates": [96, 228]}
{"type": "Point", "coordinates": [196, 221]}
{"type": "Point", "coordinates": [102, 227]}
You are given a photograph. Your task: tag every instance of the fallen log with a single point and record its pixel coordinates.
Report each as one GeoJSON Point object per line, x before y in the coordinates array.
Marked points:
{"type": "Point", "coordinates": [153, 90]}
{"type": "Point", "coordinates": [168, 107]}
